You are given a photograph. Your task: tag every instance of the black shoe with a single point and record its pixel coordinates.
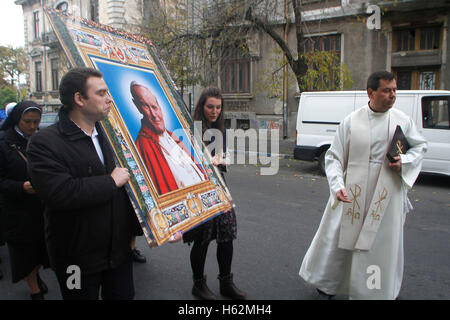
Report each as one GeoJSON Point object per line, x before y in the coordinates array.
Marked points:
{"type": "Point", "coordinates": [41, 284]}
{"type": "Point", "coordinates": [229, 290]}
{"type": "Point", "coordinates": [138, 257]}
{"type": "Point", "coordinates": [324, 296]}
{"type": "Point", "coordinates": [37, 296]}
{"type": "Point", "coordinates": [201, 290]}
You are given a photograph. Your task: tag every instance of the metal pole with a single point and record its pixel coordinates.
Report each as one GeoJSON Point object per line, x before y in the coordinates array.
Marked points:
{"type": "Point", "coordinates": [190, 103]}
{"type": "Point", "coordinates": [44, 56]}
{"type": "Point", "coordinates": [192, 51]}
{"type": "Point", "coordinates": [285, 71]}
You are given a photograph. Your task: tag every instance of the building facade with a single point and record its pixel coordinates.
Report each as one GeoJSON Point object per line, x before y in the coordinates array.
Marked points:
{"type": "Point", "coordinates": [408, 37]}
{"type": "Point", "coordinates": [47, 62]}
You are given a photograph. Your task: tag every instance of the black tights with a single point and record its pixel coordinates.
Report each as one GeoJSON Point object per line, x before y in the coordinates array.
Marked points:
{"type": "Point", "coordinates": [224, 257]}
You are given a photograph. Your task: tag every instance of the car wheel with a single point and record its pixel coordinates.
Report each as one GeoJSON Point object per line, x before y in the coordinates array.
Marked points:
{"type": "Point", "coordinates": [322, 162]}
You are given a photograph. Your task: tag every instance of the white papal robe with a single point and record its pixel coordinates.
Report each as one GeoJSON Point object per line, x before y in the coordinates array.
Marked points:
{"type": "Point", "coordinates": [375, 273]}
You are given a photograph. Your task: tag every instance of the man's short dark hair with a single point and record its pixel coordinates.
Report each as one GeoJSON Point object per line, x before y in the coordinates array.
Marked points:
{"type": "Point", "coordinates": [374, 79]}
{"type": "Point", "coordinates": [75, 81]}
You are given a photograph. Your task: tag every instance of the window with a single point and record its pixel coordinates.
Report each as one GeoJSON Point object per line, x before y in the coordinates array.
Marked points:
{"type": "Point", "coordinates": [38, 76]}
{"type": "Point", "coordinates": [405, 40]}
{"type": "Point", "coordinates": [36, 24]}
{"type": "Point", "coordinates": [417, 78]}
{"type": "Point", "coordinates": [243, 124]}
{"type": "Point", "coordinates": [323, 43]}
{"type": "Point", "coordinates": [55, 77]}
{"type": "Point", "coordinates": [63, 6]}
{"type": "Point", "coordinates": [435, 112]}
{"type": "Point", "coordinates": [430, 38]}
{"type": "Point", "coordinates": [326, 43]}
{"type": "Point", "coordinates": [235, 75]}
{"type": "Point", "coordinates": [94, 10]}
{"type": "Point", "coordinates": [427, 80]}
{"type": "Point", "coordinates": [404, 80]}
{"type": "Point", "coordinates": [227, 123]}
{"type": "Point", "coordinates": [424, 38]}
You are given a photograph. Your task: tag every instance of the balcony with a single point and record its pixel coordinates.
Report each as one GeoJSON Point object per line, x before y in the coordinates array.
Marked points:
{"type": "Point", "coordinates": [416, 58]}
{"type": "Point", "coordinates": [49, 39]}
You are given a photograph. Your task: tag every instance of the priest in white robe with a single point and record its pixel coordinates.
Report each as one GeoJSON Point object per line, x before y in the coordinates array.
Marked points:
{"type": "Point", "coordinates": [358, 248]}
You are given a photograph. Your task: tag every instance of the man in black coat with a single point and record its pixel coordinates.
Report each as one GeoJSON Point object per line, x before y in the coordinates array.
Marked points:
{"type": "Point", "coordinates": [89, 218]}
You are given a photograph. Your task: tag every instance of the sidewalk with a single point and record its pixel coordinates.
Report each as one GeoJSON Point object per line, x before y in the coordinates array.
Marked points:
{"type": "Point", "coordinates": [285, 149]}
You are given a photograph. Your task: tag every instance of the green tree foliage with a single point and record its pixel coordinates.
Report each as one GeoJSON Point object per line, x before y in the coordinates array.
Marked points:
{"type": "Point", "coordinates": [195, 39]}
{"type": "Point", "coordinates": [189, 39]}
{"type": "Point", "coordinates": [316, 70]}
{"type": "Point", "coordinates": [12, 63]}
{"type": "Point", "coordinates": [7, 94]}
{"type": "Point", "coordinates": [324, 72]}
{"type": "Point", "coordinates": [12, 66]}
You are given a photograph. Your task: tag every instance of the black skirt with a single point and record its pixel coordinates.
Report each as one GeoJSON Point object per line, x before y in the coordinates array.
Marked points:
{"type": "Point", "coordinates": [24, 257]}
{"type": "Point", "coordinates": [223, 228]}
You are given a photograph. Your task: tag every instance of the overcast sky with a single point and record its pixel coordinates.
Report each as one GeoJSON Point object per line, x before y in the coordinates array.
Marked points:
{"type": "Point", "coordinates": [11, 24]}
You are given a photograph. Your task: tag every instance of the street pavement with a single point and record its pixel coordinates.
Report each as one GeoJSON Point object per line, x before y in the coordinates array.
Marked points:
{"type": "Point", "coordinates": [278, 216]}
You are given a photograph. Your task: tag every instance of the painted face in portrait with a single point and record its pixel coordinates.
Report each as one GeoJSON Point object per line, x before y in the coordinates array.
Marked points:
{"type": "Point", "coordinates": [150, 109]}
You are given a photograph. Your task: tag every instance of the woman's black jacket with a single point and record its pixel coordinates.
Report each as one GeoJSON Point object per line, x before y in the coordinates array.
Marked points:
{"type": "Point", "coordinates": [22, 220]}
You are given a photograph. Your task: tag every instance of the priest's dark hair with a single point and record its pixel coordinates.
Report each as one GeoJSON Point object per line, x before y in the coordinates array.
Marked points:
{"type": "Point", "coordinates": [373, 82]}
{"type": "Point", "coordinates": [75, 81]}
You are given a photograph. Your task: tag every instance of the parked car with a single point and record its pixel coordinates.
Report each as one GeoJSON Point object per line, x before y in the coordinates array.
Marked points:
{"type": "Point", "coordinates": [48, 119]}
{"type": "Point", "coordinates": [319, 114]}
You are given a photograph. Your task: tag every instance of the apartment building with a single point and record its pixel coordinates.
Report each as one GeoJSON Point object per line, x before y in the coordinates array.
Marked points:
{"type": "Point", "coordinates": [47, 61]}
{"type": "Point", "coordinates": [408, 37]}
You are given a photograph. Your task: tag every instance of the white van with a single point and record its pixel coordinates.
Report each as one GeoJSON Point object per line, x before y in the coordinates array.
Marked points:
{"type": "Point", "coordinates": [319, 114]}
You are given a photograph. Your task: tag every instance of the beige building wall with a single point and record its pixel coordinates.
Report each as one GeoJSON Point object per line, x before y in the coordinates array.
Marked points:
{"type": "Point", "coordinates": [127, 15]}
{"type": "Point", "coordinates": [44, 51]}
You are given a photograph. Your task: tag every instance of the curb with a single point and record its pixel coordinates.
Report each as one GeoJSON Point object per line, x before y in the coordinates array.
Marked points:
{"type": "Point", "coordinates": [269, 155]}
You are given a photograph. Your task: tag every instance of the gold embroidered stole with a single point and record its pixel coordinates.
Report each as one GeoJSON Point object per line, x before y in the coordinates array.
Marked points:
{"type": "Point", "coordinates": [358, 231]}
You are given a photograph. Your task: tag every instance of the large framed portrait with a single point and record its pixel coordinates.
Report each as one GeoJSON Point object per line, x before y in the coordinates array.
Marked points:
{"type": "Point", "coordinates": [173, 186]}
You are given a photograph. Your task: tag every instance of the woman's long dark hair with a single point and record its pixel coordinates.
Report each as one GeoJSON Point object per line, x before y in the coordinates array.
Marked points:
{"type": "Point", "coordinates": [199, 115]}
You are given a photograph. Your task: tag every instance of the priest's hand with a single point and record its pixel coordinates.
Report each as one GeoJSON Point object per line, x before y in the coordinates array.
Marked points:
{"type": "Point", "coordinates": [120, 176]}
{"type": "Point", "coordinates": [397, 165]}
{"type": "Point", "coordinates": [341, 195]}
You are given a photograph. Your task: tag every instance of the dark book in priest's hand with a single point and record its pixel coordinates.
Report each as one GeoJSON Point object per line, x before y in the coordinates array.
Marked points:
{"type": "Point", "coordinates": [399, 144]}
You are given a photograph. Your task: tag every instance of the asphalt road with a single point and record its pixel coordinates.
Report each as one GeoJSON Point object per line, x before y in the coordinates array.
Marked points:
{"type": "Point", "coordinates": [277, 218]}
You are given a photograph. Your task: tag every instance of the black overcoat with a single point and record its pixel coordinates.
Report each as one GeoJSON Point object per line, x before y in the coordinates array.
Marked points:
{"type": "Point", "coordinates": [89, 221]}
{"type": "Point", "coordinates": [23, 220]}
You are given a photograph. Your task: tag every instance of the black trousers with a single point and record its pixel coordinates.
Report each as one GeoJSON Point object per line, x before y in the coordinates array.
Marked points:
{"type": "Point", "coordinates": [224, 258]}
{"type": "Point", "coordinates": [114, 284]}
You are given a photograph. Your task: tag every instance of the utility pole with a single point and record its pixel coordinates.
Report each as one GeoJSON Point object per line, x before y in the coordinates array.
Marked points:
{"type": "Point", "coordinates": [192, 53]}
{"type": "Point", "coordinates": [285, 70]}
{"type": "Point", "coordinates": [44, 57]}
